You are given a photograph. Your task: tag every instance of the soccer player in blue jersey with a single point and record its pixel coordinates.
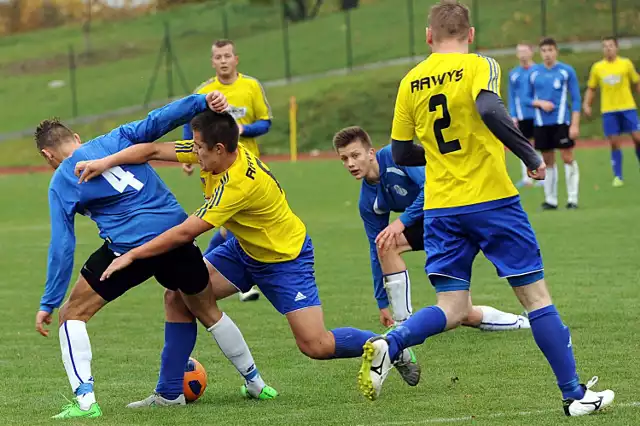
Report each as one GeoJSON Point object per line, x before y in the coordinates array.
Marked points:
{"type": "Point", "coordinates": [554, 92]}
{"type": "Point", "coordinates": [451, 103]}
{"type": "Point", "coordinates": [388, 187]}
{"type": "Point", "coordinates": [130, 205]}
{"type": "Point", "coordinates": [521, 112]}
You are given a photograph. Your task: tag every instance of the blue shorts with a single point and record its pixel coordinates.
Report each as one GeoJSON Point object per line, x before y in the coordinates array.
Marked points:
{"type": "Point", "coordinates": [289, 286]}
{"type": "Point", "coordinates": [620, 122]}
{"type": "Point", "coordinates": [504, 235]}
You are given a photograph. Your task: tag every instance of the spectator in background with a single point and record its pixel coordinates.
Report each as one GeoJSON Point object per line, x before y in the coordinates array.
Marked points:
{"type": "Point", "coordinates": [247, 104]}
{"type": "Point", "coordinates": [557, 121]}
{"type": "Point", "coordinates": [522, 114]}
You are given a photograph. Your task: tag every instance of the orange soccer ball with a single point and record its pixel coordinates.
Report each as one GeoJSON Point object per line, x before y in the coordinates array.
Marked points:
{"type": "Point", "coordinates": [195, 380]}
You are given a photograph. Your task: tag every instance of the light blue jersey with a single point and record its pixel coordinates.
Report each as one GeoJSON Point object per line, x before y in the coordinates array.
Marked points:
{"type": "Point", "coordinates": [400, 189]}
{"type": "Point", "coordinates": [130, 204]}
{"type": "Point", "coordinates": [556, 84]}
{"type": "Point", "coordinates": [518, 90]}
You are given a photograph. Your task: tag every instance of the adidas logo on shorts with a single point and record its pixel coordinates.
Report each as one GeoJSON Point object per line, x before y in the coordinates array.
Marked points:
{"type": "Point", "coordinates": [300, 297]}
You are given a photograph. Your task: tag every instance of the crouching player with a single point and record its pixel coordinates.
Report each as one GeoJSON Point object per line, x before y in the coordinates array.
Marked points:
{"type": "Point", "coordinates": [388, 187]}
{"type": "Point", "coordinates": [131, 205]}
{"type": "Point", "coordinates": [270, 246]}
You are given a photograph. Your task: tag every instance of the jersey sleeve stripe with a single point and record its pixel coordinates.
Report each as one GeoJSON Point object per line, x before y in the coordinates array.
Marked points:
{"type": "Point", "coordinates": [264, 94]}
{"type": "Point", "coordinates": [493, 79]}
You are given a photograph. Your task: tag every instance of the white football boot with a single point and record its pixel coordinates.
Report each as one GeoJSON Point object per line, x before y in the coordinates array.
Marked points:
{"type": "Point", "coordinates": [249, 296]}
{"type": "Point", "coordinates": [157, 400]}
{"type": "Point", "coordinates": [375, 367]}
{"type": "Point", "coordinates": [591, 401]}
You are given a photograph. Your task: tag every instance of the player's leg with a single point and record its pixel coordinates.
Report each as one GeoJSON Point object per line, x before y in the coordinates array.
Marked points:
{"type": "Point", "coordinates": [631, 125]}
{"type": "Point", "coordinates": [571, 171]}
{"type": "Point", "coordinates": [508, 241]}
{"type": "Point", "coordinates": [396, 276]}
{"type": "Point", "coordinates": [450, 256]}
{"type": "Point", "coordinates": [611, 126]}
{"type": "Point", "coordinates": [488, 318]}
{"type": "Point", "coordinates": [180, 332]}
{"type": "Point", "coordinates": [218, 238]}
{"type": "Point", "coordinates": [545, 143]}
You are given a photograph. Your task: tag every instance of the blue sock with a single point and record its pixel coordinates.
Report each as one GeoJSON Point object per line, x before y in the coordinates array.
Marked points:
{"type": "Point", "coordinates": [179, 341]}
{"type": "Point", "coordinates": [424, 323]}
{"type": "Point", "coordinates": [216, 240]}
{"type": "Point", "coordinates": [554, 340]}
{"type": "Point", "coordinates": [349, 341]}
{"type": "Point", "coordinates": [616, 162]}
{"type": "Point", "coordinates": [84, 388]}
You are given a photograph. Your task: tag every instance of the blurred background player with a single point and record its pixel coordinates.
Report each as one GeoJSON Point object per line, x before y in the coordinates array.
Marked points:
{"type": "Point", "coordinates": [614, 75]}
{"type": "Point", "coordinates": [388, 187]}
{"type": "Point", "coordinates": [471, 204]}
{"type": "Point", "coordinates": [521, 112]}
{"type": "Point", "coordinates": [247, 104]}
{"type": "Point", "coordinates": [557, 121]}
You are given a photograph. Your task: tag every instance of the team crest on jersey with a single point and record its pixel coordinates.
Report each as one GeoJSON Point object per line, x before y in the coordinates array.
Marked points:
{"type": "Point", "coordinates": [237, 112]}
{"type": "Point", "coordinates": [400, 190]}
{"type": "Point", "coordinates": [556, 84]}
{"type": "Point", "coordinates": [612, 79]}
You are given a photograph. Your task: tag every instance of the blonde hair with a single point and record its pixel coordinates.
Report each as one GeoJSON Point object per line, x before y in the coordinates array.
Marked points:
{"type": "Point", "coordinates": [449, 19]}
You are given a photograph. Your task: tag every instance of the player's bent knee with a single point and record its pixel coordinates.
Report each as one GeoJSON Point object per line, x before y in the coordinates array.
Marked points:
{"type": "Point", "coordinates": [533, 296]}
{"type": "Point", "coordinates": [315, 348]}
{"type": "Point", "coordinates": [175, 308]}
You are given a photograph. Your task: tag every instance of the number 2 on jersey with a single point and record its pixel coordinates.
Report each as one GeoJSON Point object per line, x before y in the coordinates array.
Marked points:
{"type": "Point", "coordinates": [119, 179]}
{"type": "Point", "coordinates": [440, 124]}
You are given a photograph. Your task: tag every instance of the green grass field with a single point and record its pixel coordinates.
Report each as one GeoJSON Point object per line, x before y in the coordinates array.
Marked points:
{"type": "Point", "coordinates": [325, 105]}
{"type": "Point", "coordinates": [120, 71]}
{"type": "Point", "coordinates": [591, 264]}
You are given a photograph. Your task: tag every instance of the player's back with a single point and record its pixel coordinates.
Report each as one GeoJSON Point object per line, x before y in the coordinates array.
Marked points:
{"type": "Point", "coordinates": [130, 204]}
{"type": "Point", "coordinates": [465, 161]}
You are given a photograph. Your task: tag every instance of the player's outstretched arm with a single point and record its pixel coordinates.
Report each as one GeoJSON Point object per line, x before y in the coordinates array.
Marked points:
{"type": "Point", "coordinates": [495, 117]}
{"type": "Point", "coordinates": [136, 154]}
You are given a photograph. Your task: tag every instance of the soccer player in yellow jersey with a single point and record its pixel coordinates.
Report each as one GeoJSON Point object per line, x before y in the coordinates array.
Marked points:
{"type": "Point", "coordinates": [615, 75]}
{"type": "Point", "coordinates": [247, 104]}
{"type": "Point", "coordinates": [270, 246]}
{"type": "Point", "coordinates": [451, 102]}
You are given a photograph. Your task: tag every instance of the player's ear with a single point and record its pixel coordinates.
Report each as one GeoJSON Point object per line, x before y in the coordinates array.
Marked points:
{"type": "Point", "coordinates": [46, 154]}
{"type": "Point", "coordinates": [472, 34]}
{"type": "Point", "coordinates": [77, 138]}
{"type": "Point", "coordinates": [429, 36]}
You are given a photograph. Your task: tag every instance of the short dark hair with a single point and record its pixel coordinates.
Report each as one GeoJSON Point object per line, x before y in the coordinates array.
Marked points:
{"type": "Point", "coordinates": [350, 134]}
{"type": "Point", "coordinates": [215, 128]}
{"type": "Point", "coordinates": [50, 133]}
{"type": "Point", "coordinates": [449, 19]}
{"type": "Point", "coordinates": [225, 42]}
{"type": "Point", "coordinates": [548, 41]}
{"type": "Point", "coordinates": [611, 38]}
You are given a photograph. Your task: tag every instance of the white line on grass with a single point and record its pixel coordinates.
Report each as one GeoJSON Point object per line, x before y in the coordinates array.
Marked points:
{"type": "Point", "coordinates": [635, 404]}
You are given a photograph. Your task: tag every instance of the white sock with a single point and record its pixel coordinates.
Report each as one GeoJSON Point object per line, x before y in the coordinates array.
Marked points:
{"type": "Point", "coordinates": [525, 176]}
{"type": "Point", "coordinates": [551, 186]}
{"type": "Point", "coordinates": [76, 357]}
{"type": "Point", "coordinates": [572, 176]}
{"type": "Point", "coordinates": [495, 320]}
{"type": "Point", "coordinates": [398, 288]}
{"type": "Point", "coordinates": [229, 338]}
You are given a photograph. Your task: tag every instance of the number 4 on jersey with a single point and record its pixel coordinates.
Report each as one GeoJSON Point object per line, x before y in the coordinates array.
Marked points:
{"type": "Point", "coordinates": [119, 179]}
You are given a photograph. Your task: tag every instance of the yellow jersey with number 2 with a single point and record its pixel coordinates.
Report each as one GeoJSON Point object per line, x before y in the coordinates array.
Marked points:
{"type": "Point", "coordinates": [248, 200]}
{"type": "Point", "coordinates": [466, 169]}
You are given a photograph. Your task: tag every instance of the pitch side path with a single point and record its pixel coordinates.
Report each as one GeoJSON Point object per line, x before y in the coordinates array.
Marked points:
{"type": "Point", "coordinates": [16, 170]}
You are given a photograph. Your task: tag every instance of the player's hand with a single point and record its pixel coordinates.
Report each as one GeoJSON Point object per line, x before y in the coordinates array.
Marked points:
{"type": "Point", "coordinates": [385, 317]}
{"type": "Point", "coordinates": [217, 101]}
{"type": "Point", "coordinates": [540, 173]}
{"type": "Point", "coordinates": [117, 264]}
{"type": "Point", "coordinates": [546, 106]}
{"type": "Point", "coordinates": [387, 237]}
{"type": "Point", "coordinates": [187, 169]}
{"type": "Point", "coordinates": [515, 122]}
{"type": "Point", "coordinates": [87, 170]}
{"type": "Point", "coordinates": [42, 318]}
{"type": "Point", "coordinates": [587, 110]}
{"type": "Point", "coordinates": [574, 132]}
{"type": "Point", "coordinates": [240, 129]}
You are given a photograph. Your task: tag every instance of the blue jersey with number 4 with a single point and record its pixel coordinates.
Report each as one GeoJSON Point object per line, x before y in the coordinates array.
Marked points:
{"type": "Point", "coordinates": [130, 204]}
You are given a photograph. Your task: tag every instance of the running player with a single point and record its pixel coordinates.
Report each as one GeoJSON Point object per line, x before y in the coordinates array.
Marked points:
{"type": "Point", "coordinates": [248, 105]}
{"type": "Point", "coordinates": [451, 102]}
{"type": "Point", "coordinates": [270, 246]}
{"type": "Point", "coordinates": [555, 126]}
{"type": "Point", "coordinates": [130, 205]}
{"type": "Point", "coordinates": [522, 114]}
{"type": "Point", "coordinates": [388, 187]}
{"type": "Point", "coordinates": [614, 75]}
